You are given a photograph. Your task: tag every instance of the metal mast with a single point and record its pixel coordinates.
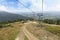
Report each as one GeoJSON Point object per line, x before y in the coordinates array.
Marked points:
{"type": "Point", "coordinates": [42, 6]}
{"type": "Point", "coordinates": [42, 9]}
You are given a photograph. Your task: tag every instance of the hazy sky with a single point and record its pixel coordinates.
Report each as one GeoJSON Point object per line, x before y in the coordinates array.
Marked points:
{"type": "Point", "coordinates": [35, 5]}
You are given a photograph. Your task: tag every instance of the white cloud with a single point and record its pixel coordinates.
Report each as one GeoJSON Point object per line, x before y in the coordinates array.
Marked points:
{"type": "Point", "coordinates": [48, 5]}
{"type": "Point", "coordinates": [54, 8]}
{"type": "Point", "coordinates": [52, 5]}
{"type": "Point", "coordinates": [3, 8]}
{"type": "Point", "coordinates": [19, 10]}
{"type": "Point", "coordinates": [37, 5]}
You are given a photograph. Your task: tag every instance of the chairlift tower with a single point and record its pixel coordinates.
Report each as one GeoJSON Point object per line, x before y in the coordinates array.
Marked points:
{"type": "Point", "coordinates": [40, 15]}
{"type": "Point", "coordinates": [42, 9]}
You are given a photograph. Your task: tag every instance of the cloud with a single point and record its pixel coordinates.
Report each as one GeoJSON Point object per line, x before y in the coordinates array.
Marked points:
{"type": "Point", "coordinates": [3, 8]}
{"type": "Point", "coordinates": [54, 8]}
{"type": "Point", "coordinates": [16, 6]}
{"type": "Point", "coordinates": [52, 5]}
{"type": "Point", "coordinates": [35, 5]}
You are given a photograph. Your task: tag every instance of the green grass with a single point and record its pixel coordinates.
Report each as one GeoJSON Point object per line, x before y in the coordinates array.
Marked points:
{"type": "Point", "coordinates": [53, 29]}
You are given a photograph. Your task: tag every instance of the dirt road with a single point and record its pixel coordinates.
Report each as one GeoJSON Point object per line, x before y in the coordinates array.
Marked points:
{"type": "Point", "coordinates": [24, 32]}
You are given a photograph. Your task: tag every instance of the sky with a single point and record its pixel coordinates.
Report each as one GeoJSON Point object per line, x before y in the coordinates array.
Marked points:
{"type": "Point", "coordinates": [34, 5]}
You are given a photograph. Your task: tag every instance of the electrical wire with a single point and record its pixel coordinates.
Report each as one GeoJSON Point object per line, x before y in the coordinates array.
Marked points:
{"type": "Point", "coordinates": [31, 9]}
{"type": "Point", "coordinates": [26, 7]}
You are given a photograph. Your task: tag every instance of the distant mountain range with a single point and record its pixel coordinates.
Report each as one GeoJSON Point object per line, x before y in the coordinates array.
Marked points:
{"type": "Point", "coordinates": [6, 16]}
{"type": "Point", "coordinates": [45, 15]}
{"type": "Point", "coordinates": [51, 15]}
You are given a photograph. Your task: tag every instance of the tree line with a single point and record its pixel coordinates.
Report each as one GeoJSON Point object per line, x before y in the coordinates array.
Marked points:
{"type": "Point", "coordinates": [52, 21]}
{"type": "Point", "coordinates": [2, 23]}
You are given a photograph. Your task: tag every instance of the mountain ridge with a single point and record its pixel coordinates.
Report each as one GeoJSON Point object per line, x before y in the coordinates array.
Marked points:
{"type": "Point", "coordinates": [6, 16]}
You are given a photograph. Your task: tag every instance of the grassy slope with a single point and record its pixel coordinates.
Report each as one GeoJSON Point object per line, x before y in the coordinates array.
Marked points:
{"type": "Point", "coordinates": [53, 29]}
{"type": "Point", "coordinates": [9, 33]}
{"type": "Point", "coordinates": [41, 32]}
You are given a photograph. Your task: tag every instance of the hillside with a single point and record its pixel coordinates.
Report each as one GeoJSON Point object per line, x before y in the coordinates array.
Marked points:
{"type": "Point", "coordinates": [6, 16]}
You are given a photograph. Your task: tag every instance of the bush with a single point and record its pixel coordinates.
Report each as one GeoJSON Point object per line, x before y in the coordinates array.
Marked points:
{"type": "Point", "coordinates": [49, 21]}
{"type": "Point", "coordinates": [58, 22]}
